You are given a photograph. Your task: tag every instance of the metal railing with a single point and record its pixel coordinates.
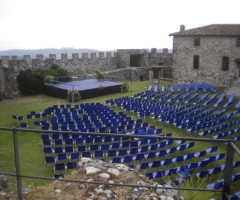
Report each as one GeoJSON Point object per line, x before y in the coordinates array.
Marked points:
{"type": "Point", "coordinates": [230, 150]}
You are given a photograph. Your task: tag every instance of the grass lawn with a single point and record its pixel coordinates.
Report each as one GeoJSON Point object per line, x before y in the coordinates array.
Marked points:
{"type": "Point", "coordinates": [31, 154]}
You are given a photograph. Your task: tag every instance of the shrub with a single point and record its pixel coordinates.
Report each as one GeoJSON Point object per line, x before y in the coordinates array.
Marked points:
{"type": "Point", "coordinates": [30, 82]}
{"type": "Point", "coordinates": [1, 96]}
{"type": "Point", "coordinates": [49, 78]}
{"type": "Point", "coordinates": [57, 71]}
{"type": "Point", "coordinates": [194, 182]}
{"type": "Point", "coordinates": [73, 95]}
{"type": "Point", "coordinates": [124, 87]}
{"type": "Point", "coordinates": [99, 75]}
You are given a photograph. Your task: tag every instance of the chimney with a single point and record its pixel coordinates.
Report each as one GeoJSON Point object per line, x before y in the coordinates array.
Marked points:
{"type": "Point", "coordinates": [182, 27]}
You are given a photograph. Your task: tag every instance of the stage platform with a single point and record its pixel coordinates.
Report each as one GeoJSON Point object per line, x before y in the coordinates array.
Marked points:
{"type": "Point", "coordinates": [88, 88]}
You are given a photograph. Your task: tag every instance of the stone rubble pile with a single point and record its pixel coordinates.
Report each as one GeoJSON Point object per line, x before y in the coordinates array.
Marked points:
{"type": "Point", "coordinates": [119, 173]}
{"type": "Point", "coordinates": [90, 170]}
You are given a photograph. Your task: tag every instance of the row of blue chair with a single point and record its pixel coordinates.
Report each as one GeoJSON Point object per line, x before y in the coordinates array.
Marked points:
{"type": "Point", "coordinates": [227, 133]}
{"type": "Point", "coordinates": [236, 196]}
{"type": "Point", "coordinates": [109, 150]}
{"type": "Point", "coordinates": [178, 159]}
{"type": "Point", "coordinates": [186, 167]}
{"type": "Point", "coordinates": [220, 128]}
{"type": "Point", "coordinates": [220, 100]}
{"type": "Point", "coordinates": [219, 184]}
{"type": "Point", "coordinates": [207, 119]}
{"type": "Point", "coordinates": [217, 122]}
{"type": "Point", "coordinates": [230, 100]}
{"type": "Point", "coordinates": [62, 166]}
{"type": "Point", "coordinates": [215, 170]}
{"type": "Point", "coordinates": [150, 155]}
{"type": "Point", "coordinates": [115, 142]}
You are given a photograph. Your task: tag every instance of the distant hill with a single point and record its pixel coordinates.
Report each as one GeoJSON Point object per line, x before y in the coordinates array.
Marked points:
{"type": "Point", "coordinates": [46, 52]}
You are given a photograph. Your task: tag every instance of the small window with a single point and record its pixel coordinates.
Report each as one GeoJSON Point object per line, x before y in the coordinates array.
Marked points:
{"type": "Point", "coordinates": [195, 61]}
{"type": "Point", "coordinates": [196, 41]}
{"type": "Point", "coordinates": [225, 63]}
{"type": "Point", "coordinates": [238, 42]}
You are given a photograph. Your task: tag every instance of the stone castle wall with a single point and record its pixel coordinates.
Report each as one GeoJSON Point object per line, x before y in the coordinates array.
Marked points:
{"type": "Point", "coordinates": [80, 66]}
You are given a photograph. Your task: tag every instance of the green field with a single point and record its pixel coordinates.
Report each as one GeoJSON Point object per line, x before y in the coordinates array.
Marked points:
{"type": "Point", "coordinates": [30, 146]}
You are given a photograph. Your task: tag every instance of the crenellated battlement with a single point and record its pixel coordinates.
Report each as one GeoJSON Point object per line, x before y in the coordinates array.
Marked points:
{"type": "Point", "coordinates": [77, 56]}
{"type": "Point", "coordinates": [81, 64]}
{"type": "Point", "coordinates": [64, 56]}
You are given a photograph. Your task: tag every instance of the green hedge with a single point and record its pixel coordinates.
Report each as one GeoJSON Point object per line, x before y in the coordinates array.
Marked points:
{"type": "Point", "coordinates": [31, 82]}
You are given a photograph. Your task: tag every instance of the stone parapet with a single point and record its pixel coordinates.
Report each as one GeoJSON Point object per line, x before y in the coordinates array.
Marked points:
{"type": "Point", "coordinates": [81, 65]}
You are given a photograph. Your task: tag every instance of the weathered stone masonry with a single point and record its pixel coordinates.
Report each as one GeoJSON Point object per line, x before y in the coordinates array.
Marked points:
{"type": "Point", "coordinates": [123, 64]}
{"type": "Point", "coordinates": [208, 46]}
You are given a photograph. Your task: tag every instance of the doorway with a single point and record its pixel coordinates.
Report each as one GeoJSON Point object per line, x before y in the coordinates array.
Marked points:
{"type": "Point", "coordinates": [135, 60]}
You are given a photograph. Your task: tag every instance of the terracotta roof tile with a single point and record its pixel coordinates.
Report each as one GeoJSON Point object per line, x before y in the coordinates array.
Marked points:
{"type": "Point", "coordinates": [211, 30]}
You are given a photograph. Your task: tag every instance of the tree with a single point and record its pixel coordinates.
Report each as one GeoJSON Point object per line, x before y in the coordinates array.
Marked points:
{"type": "Point", "coordinates": [99, 75]}
{"type": "Point", "coordinates": [30, 82]}
{"type": "Point", "coordinates": [73, 96]}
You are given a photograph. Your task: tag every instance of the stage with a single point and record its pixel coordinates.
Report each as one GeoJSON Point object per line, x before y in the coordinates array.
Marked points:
{"type": "Point", "coordinates": [88, 88]}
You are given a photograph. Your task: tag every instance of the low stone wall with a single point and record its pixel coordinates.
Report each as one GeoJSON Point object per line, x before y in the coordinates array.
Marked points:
{"type": "Point", "coordinates": [134, 73]}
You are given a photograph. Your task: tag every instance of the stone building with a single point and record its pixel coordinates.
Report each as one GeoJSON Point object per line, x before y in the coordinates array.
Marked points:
{"type": "Point", "coordinates": [207, 54]}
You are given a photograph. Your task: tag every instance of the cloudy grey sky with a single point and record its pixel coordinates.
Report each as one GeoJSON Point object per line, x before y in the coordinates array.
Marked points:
{"type": "Point", "coordinates": [106, 24]}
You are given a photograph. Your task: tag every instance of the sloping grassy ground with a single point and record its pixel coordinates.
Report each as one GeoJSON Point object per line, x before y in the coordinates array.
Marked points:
{"type": "Point", "coordinates": [32, 161]}
{"type": "Point", "coordinates": [31, 156]}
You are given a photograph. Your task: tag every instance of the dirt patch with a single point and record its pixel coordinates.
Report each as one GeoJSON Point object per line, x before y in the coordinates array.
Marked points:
{"type": "Point", "coordinates": [20, 100]}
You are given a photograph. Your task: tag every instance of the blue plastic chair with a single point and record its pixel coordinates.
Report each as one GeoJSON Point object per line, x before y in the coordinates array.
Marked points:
{"type": "Point", "coordinates": [104, 147]}
{"type": "Point", "coordinates": [144, 165]}
{"type": "Point", "coordinates": [125, 144]}
{"type": "Point", "coordinates": [122, 152]}
{"type": "Point", "coordinates": [69, 149]}
{"type": "Point", "coordinates": [61, 157]}
{"type": "Point", "coordinates": [188, 156]}
{"type": "Point", "coordinates": [127, 159]}
{"type": "Point", "coordinates": [58, 176]}
{"type": "Point", "coordinates": [59, 166]}
{"type": "Point", "coordinates": [49, 159]}
{"type": "Point", "coordinates": [216, 185]}
{"type": "Point", "coordinates": [98, 154]}
{"type": "Point", "coordinates": [81, 148]}
{"type": "Point", "coordinates": [79, 141]}
{"type": "Point", "coordinates": [116, 160]}
{"type": "Point", "coordinates": [161, 153]}
{"type": "Point", "coordinates": [58, 142]}
{"type": "Point", "coordinates": [133, 151]}
{"type": "Point", "coordinates": [115, 145]}
{"type": "Point", "coordinates": [86, 154]}
{"type": "Point", "coordinates": [48, 150]}
{"type": "Point", "coordinates": [133, 144]}
{"type": "Point", "coordinates": [98, 139]}
{"type": "Point", "coordinates": [111, 153]}
{"type": "Point", "coordinates": [47, 142]}
{"type": "Point", "coordinates": [73, 156]}
{"type": "Point", "coordinates": [156, 163]}
{"type": "Point", "coordinates": [166, 162]}
{"type": "Point", "coordinates": [143, 141]}
{"type": "Point", "coordinates": [144, 149]}
{"type": "Point", "coordinates": [93, 147]}
{"type": "Point", "coordinates": [200, 154]}
{"type": "Point", "coordinates": [71, 165]}
{"type": "Point", "coordinates": [139, 156]}
{"type": "Point", "coordinates": [202, 174]}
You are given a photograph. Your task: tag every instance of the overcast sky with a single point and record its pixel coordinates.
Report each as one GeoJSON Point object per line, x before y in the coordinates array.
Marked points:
{"type": "Point", "coordinates": [106, 24]}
